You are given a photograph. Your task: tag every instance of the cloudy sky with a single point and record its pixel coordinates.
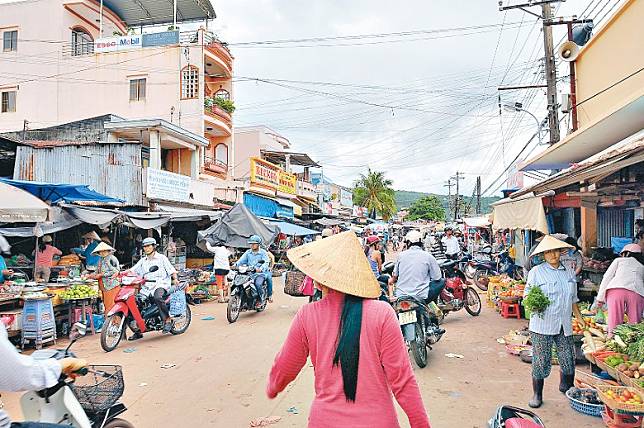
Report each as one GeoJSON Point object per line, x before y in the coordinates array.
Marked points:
{"type": "Point", "coordinates": [419, 106]}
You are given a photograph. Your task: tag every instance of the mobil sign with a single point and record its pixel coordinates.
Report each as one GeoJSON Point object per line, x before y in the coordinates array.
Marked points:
{"type": "Point", "coordinates": [114, 44]}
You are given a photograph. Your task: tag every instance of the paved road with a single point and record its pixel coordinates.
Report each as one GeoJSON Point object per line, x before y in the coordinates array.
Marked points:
{"type": "Point", "coordinates": [221, 371]}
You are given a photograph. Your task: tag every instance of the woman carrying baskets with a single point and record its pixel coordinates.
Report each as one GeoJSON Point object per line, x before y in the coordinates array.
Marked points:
{"type": "Point", "coordinates": [355, 343]}
{"type": "Point", "coordinates": [553, 324]}
{"type": "Point", "coordinates": [108, 266]}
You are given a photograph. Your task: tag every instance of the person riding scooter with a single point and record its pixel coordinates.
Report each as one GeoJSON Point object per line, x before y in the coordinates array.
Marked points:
{"type": "Point", "coordinates": [252, 258]}
{"type": "Point", "coordinates": [24, 373]}
{"type": "Point", "coordinates": [158, 281]}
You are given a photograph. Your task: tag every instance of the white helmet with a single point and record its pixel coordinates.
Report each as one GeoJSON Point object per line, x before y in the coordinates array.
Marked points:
{"type": "Point", "coordinates": [413, 236]}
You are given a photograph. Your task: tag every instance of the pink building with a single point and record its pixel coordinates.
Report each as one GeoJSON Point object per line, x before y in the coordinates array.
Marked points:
{"type": "Point", "coordinates": [63, 61]}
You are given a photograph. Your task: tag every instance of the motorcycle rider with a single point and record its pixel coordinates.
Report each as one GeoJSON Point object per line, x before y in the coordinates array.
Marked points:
{"type": "Point", "coordinates": [450, 242]}
{"type": "Point", "coordinates": [24, 373]}
{"type": "Point", "coordinates": [252, 258]}
{"type": "Point", "coordinates": [159, 281]}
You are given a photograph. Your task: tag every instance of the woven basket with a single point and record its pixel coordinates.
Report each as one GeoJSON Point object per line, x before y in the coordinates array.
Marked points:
{"type": "Point", "coordinates": [293, 283]}
{"type": "Point", "coordinates": [585, 408]}
{"type": "Point", "coordinates": [618, 405]}
{"type": "Point", "coordinates": [585, 380]}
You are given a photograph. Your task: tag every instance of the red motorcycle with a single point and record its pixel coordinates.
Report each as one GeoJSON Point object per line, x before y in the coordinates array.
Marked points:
{"type": "Point", "coordinates": [457, 294]}
{"type": "Point", "coordinates": [135, 310]}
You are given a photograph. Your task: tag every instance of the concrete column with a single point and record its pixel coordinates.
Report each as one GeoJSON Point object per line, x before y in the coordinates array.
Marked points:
{"type": "Point", "coordinates": [588, 226]}
{"type": "Point", "coordinates": [194, 163]}
{"type": "Point", "coordinates": [288, 163]}
{"type": "Point", "coordinates": [155, 149]}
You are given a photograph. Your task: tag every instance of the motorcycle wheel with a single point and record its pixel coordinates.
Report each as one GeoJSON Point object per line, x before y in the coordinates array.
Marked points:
{"type": "Point", "coordinates": [234, 307]}
{"type": "Point", "coordinates": [118, 423]}
{"type": "Point", "coordinates": [112, 332]}
{"type": "Point", "coordinates": [472, 302]}
{"type": "Point", "coordinates": [481, 279]}
{"type": "Point", "coordinates": [183, 324]}
{"type": "Point", "coordinates": [419, 347]}
{"type": "Point", "coordinates": [469, 272]}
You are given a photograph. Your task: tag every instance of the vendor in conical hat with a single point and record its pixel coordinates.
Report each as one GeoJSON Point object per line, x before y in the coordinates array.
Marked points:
{"type": "Point", "coordinates": [554, 325]}
{"type": "Point", "coordinates": [86, 250]}
{"type": "Point", "coordinates": [107, 267]}
{"type": "Point", "coordinates": [354, 341]}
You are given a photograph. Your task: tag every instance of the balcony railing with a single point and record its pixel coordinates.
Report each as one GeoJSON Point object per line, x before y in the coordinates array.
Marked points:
{"type": "Point", "coordinates": [215, 165]}
{"type": "Point", "coordinates": [219, 113]}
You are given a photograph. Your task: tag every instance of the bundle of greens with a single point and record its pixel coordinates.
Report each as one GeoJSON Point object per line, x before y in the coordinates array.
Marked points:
{"type": "Point", "coordinates": [629, 339]}
{"type": "Point", "coordinates": [536, 302]}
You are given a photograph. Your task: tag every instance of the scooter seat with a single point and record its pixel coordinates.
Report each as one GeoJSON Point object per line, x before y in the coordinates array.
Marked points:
{"type": "Point", "coordinates": [448, 264]}
{"type": "Point", "coordinates": [521, 423]}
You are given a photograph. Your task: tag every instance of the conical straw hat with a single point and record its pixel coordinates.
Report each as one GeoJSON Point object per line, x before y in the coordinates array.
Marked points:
{"type": "Point", "coordinates": [339, 263]}
{"type": "Point", "coordinates": [550, 243]}
{"type": "Point", "coordinates": [102, 247]}
{"type": "Point", "coordinates": [92, 235]}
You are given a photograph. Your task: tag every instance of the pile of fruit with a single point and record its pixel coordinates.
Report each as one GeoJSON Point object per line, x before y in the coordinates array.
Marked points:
{"type": "Point", "coordinates": [78, 291]}
{"type": "Point", "coordinates": [632, 369]}
{"type": "Point", "coordinates": [624, 396]}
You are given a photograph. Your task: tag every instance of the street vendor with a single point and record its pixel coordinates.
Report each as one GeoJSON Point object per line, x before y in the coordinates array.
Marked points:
{"type": "Point", "coordinates": [554, 324]}
{"type": "Point", "coordinates": [221, 268]}
{"type": "Point", "coordinates": [107, 268]}
{"type": "Point", "coordinates": [45, 258]}
{"type": "Point", "coordinates": [86, 251]}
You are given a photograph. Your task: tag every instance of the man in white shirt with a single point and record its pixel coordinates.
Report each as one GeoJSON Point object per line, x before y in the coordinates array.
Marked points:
{"type": "Point", "coordinates": [158, 282]}
{"type": "Point", "coordinates": [450, 242]}
{"type": "Point", "coordinates": [24, 373]}
{"type": "Point", "coordinates": [221, 268]}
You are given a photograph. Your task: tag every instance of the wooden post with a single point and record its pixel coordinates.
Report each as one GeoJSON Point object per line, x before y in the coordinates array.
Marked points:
{"type": "Point", "coordinates": [588, 226]}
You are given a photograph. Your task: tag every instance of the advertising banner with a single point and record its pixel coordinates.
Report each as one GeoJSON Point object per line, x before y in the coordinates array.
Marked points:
{"type": "Point", "coordinates": [167, 186]}
{"type": "Point", "coordinates": [161, 39]}
{"type": "Point", "coordinates": [114, 44]}
{"type": "Point", "coordinates": [287, 183]}
{"type": "Point", "coordinates": [346, 198]}
{"type": "Point", "coordinates": [264, 174]}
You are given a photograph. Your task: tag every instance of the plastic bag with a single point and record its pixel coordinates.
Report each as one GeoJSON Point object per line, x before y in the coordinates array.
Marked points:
{"type": "Point", "coordinates": [177, 303]}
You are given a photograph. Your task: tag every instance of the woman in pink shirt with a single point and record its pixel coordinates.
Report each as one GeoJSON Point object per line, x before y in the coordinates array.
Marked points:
{"type": "Point", "coordinates": [355, 343]}
{"type": "Point", "coordinates": [45, 259]}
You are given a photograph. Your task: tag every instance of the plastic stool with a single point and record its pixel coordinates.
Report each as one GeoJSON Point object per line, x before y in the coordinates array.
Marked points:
{"type": "Point", "coordinates": [510, 310]}
{"type": "Point", "coordinates": [79, 316]}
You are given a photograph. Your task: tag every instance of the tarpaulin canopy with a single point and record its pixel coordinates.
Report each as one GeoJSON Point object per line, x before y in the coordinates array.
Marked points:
{"type": "Point", "coordinates": [68, 193]}
{"type": "Point", "coordinates": [104, 217]}
{"type": "Point", "coordinates": [19, 206]}
{"type": "Point", "coordinates": [477, 221]}
{"type": "Point", "coordinates": [189, 214]}
{"type": "Point", "coordinates": [293, 229]}
{"type": "Point", "coordinates": [520, 213]}
{"type": "Point", "coordinates": [235, 227]}
{"type": "Point", "coordinates": [59, 220]}
{"type": "Point", "coordinates": [328, 222]}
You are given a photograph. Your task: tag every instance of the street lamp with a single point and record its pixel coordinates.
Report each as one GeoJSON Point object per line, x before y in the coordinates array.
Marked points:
{"type": "Point", "coordinates": [519, 107]}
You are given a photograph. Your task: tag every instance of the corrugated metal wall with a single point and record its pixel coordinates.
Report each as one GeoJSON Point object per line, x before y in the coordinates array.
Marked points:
{"type": "Point", "coordinates": [613, 222]}
{"type": "Point", "coordinates": [111, 169]}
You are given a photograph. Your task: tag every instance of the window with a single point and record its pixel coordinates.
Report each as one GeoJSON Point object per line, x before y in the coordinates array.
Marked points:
{"type": "Point", "coordinates": [221, 154]}
{"type": "Point", "coordinates": [190, 82]}
{"type": "Point", "coordinates": [82, 42]}
{"type": "Point", "coordinates": [222, 94]}
{"type": "Point", "coordinates": [8, 102]}
{"type": "Point", "coordinates": [137, 89]}
{"type": "Point", "coordinates": [10, 41]}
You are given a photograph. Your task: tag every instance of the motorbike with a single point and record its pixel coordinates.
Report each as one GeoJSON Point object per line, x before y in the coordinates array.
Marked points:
{"type": "Point", "coordinates": [502, 265]}
{"type": "Point", "coordinates": [514, 417]}
{"type": "Point", "coordinates": [243, 294]}
{"type": "Point", "coordinates": [139, 312]}
{"type": "Point", "coordinates": [89, 401]}
{"type": "Point", "coordinates": [419, 323]}
{"type": "Point", "coordinates": [456, 294]}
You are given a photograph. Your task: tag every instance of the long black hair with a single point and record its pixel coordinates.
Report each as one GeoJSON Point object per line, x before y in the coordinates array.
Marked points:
{"type": "Point", "coordinates": [42, 246]}
{"type": "Point", "coordinates": [347, 353]}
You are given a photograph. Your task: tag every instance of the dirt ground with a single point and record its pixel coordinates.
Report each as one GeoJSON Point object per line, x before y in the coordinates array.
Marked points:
{"type": "Point", "coordinates": [221, 371]}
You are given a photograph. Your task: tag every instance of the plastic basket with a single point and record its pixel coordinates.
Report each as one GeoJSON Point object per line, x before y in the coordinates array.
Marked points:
{"type": "Point", "coordinates": [585, 408]}
{"type": "Point", "coordinates": [99, 389]}
{"type": "Point", "coordinates": [618, 406]}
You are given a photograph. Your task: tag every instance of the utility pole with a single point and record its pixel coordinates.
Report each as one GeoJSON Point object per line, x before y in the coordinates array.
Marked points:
{"type": "Point", "coordinates": [458, 177]}
{"type": "Point", "coordinates": [550, 66]}
{"type": "Point", "coordinates": [25, 127]}
{"type": "Point", "coordinates": [478, 195]}
{"type": "Point", "coordinates": [449, 185]}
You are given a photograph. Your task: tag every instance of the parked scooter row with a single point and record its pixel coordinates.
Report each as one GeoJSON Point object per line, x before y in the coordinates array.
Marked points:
{"type": "Point", "coordinates": [480, 270]}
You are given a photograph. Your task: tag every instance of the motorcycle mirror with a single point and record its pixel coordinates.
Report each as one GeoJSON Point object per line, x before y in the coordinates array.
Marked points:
{"type": "Point", "coordinates": [153, 268]}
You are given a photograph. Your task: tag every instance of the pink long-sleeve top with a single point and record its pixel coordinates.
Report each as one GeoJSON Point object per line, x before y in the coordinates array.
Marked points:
{"type": "Point", "coordinates": [383, 368]}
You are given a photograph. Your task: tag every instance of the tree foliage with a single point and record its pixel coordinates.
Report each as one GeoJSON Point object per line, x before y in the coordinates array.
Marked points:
{"type": "Point", "coordinates": [427, 208]}
{"type": "Point", "coordinates": [373, 191]}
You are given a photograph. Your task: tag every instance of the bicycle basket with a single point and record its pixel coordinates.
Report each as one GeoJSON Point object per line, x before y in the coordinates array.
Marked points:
{"type": "Point", "coordinates": [100, 389]}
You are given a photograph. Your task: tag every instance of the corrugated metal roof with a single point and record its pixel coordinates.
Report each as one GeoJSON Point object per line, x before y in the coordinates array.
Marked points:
{"type": "Point", "coordinates": [152, 12]}
{"type": "Point", "coordinates": [43, 144]}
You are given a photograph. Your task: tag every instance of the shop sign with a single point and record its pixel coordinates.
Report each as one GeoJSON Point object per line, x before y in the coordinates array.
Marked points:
{"type": "Point", "coordinates": [346, 198]}
{"type": "Point", "coordinates": [167, 186]}
{"type": "Point", "coordinates": [359, 211]}
{"type": "Point", "coordinates": [515, 177]}
{"type": "Point", "coordinates": [114, 44]}
{"type": "Point", "coordinates": [264, 174]}
{"type": "Point", "coordinates": [288, 183]}
{"type": "Point", "coordinates": [161, 39]}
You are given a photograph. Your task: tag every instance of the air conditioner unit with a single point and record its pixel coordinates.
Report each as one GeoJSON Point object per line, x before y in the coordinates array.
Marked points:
{"type": "Point", "coordinates": [566, 104]}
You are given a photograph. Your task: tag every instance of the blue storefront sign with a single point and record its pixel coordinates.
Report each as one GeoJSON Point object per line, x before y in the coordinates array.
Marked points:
{"type": "Point", "coordinates": [161, 39]}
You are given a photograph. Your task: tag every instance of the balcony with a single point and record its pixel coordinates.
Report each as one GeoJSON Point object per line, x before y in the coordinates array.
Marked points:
{"type": "Point", "coordinates": [215, 166]}
{"type": "Point", "coordinates": [218, 121]}
{"type": "Point", "coordinates": [306, 190]}
{"type": "Point", "coordinates": [221, 60]}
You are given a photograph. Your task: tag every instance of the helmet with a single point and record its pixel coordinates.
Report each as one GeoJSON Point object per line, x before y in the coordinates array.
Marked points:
{"type": "Point", "coordinates": [149, 241]}
{"type": "Point", "coordinates": [632, 248]}
{"type": "Point", "coordinates": [255, 239]}
{"type": "Point", "coordinates": [327, 232]}
{"type": "Point", "coordinates": [413, 236]}
{"type": "Point", "coordinates": [372, 239]}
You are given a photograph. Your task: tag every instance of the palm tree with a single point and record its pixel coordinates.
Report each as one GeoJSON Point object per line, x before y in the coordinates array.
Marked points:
{"type": "Point", "coordinates": [373, 191]}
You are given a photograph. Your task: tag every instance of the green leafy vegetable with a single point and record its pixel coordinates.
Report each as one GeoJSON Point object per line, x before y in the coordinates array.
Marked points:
{"type": "Point", "coordinates": [536, 302]}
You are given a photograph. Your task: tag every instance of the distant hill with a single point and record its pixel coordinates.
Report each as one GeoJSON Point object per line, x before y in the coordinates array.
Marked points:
{"type": "Point", "coordinates": [405, 198]}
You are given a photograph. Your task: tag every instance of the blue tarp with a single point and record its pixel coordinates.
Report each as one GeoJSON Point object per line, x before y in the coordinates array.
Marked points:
{"type": "Point", "coordinates": [68, 193]}
{"type": "Point", "coordinates": [266, 207]}
{"type": "Point", "coordinates": [293, 229]}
